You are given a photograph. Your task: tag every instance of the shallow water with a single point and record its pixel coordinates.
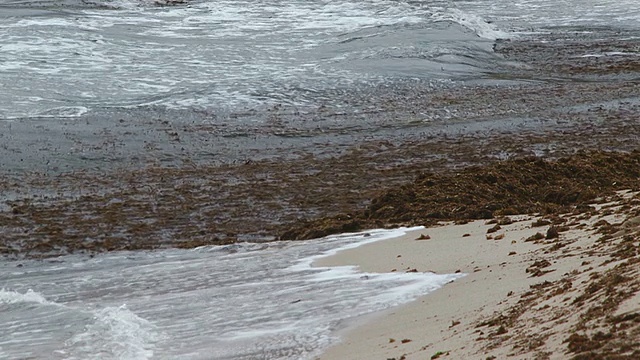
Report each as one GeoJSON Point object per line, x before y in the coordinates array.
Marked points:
{"type": "Point", "coordinates": [244, 301]}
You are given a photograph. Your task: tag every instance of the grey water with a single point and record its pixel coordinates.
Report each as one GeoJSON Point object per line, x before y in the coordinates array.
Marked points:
{"type": "Point", "coordinates": [71, 71]}
{"type": "Point", "coordinates": [245, 301]}
{"type": "Point", "coordinates": [66, 58]}
{"type": "Point", "coordinates": [95, 83]}
{"type": "Point", "coordinates": [63, 59]}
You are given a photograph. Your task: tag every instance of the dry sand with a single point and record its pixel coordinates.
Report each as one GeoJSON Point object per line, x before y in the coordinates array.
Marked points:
{"type": "Point", "coordinates": [573, 295]}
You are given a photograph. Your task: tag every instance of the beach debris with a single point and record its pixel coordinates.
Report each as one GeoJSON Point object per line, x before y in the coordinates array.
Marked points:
{"type": "Point", "coordinates": [498, 237]}
{"type": "Point", "coordinates": [402, 357]}
{"type": "Point", "coordinates": [438, 354]}
{"type": "Point", "coordinates": [414, 270]}
{"type": "Point", "coordinates": [424, 237]}
{"type": "Point", "coordinates": [541, 263]}
{"type": "Point", "coordinates": [534, 237]}
{"type": "Point", "coordinates": [454, 323]}
{"type": "Point", "coordinates": [528, 185]}
{"type": "Point", "coordinates": [540, 222]}
{"type": "Point", "coordinates": [392, 340]}
{"type": "Point", "coordinates": [404, 341]}
{"type": "Point", "coordinates": [466, 235]}
{"type": "Point", "coordinates": [552, 232]}
{"type": "Point", "coordinates": [501, 331]}
{"type": "Point", "coordinates": [169, 2]}
{"type": "Point", "coordinates": [536, 268]}
{"type": "Point", "coordinates": [493, 229]}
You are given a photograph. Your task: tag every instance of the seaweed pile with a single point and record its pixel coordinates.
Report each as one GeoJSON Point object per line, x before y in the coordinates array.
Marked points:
{"type": "Point", "coordinates": [517, 186]}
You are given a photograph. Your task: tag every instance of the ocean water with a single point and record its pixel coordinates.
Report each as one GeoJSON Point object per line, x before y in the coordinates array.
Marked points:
{"type": "Point", "coordinates": [67, 58]}
{"type": "Point", "coordinates": [244, 301]}
{"type": "Point", "coordinates": [88, 84]}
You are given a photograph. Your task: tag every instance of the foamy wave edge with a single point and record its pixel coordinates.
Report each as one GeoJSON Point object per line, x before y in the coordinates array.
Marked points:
{"type": "Point", "coordinates": [30, 296]}
{"type": "Point", "coordinates": [115, 330]}
{"type": "Point", "coordinates": [477, 24]}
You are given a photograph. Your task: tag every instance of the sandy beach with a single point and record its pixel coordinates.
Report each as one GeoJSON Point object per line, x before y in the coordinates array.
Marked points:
{"type": "Point", "coordinates": [554, 287]}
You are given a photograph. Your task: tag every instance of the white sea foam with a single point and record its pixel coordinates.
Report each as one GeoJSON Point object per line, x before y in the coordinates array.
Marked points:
{"type": "Point", "coordinates": [109, 332]}
{"type": "Point", "coordinates": [365, 238]}
{"type": "Point", "coordinates": [473, 22]}
{"type": "Point", "coordinates": [63, 112]}
{"type": "Point", "coordinates": [116, 333]}
{"type": "Point", "coordinates": [410, 285]}
{"type": "Point", "coordinates": [30, 296]}
{"type": "Point", "coordinates": [611, 53]}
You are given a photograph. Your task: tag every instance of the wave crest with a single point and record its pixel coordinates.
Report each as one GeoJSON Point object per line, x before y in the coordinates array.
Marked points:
{"type": "Point", "coordinates": [475, 23]}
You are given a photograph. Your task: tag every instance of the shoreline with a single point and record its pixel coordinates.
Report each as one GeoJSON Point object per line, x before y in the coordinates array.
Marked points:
{"type": "Point", "coordinates": [521, 297]}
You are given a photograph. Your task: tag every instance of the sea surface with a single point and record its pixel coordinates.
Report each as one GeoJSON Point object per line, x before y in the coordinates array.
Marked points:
{"type": "Point", "coordinates": [67, 58]}
{"type": "Point", "coordinates": [75, 74]}
{"type": "Point", "coordinates": [244, 301]}
{"type": "Point", "coordinates": [90, 84]}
